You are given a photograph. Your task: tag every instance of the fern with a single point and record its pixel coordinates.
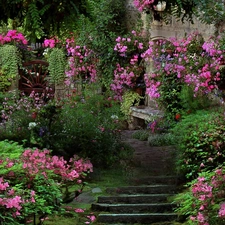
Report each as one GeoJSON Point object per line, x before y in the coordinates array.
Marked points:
{"type": "Point", "coordinates": [34, 15]}
{"type": "Point", "coordinates": [44, 9]}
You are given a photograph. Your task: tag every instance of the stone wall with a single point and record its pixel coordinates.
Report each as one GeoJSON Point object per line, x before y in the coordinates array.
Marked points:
{"type": "Point", "coordinates": [173, 28]}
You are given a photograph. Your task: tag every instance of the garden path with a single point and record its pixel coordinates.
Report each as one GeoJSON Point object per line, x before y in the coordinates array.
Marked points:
{"type": "Point", "coordinates": [150, 160]}
{"type": "Point", "coordinates": [152, 181]}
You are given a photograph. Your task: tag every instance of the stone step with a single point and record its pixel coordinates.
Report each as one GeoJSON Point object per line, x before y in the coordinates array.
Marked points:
{"type": "Point", "coordinates": [134, 208]}
{"type": "Point", "coordinates": [142, 218]}
{"type": "Point", "coordinates": [134, 199]}
{"type": "Point", "coordinates": [145, 189]}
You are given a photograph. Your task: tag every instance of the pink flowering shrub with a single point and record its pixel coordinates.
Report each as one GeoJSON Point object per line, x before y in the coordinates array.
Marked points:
{"type": "Point", "coordinates": [13, 37]}
{"type": "Point", "coordinates": [141, 5]}
{"type": "Point", "coordinates": [52, 42]}
{"type": "Point", "coordinates": [129, 69]}
{"type": "Point", "coordinates": [34, 183]}
{"type": "Point", "coordinates": [82, 63]}
{"type": "Point", "coordinates": [187, 62]}
{"type": "Point", "coordinates": [204, 201]}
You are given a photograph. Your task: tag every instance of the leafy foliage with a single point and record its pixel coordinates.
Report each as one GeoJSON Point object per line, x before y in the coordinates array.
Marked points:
{"type": "Point", "coordinates": [130, 98]}
{"type": "Point", "coordinates": [100, 31]}
{"type": "Point", "coordinates": [57, 65]}
{"type": "Point", "coordinates": [201, 141]}
{"type": "Point", "coordinates": [39, 18]}
{"type": "Point", "coordinates": [202, 202]}
{"type": "Point", "coordinates": [9, 63]}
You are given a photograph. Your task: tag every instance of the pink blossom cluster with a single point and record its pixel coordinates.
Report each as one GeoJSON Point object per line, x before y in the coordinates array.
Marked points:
{"type": "Point", "coordinates": [193, 61]}
{"type": "Point", "coordinates": [209, 198]}
{"type": "Point", "coordinates": [11, 203]}
{"type": "Point", "coordinates": [51, 43]}
{"type": "Point", "coordinates": [152, 86]}
{"type": "Point", "coordinates": [82, 63]}
{"type": "Point", "coordinates": [32, 164]}
{"type": "Point", "coordinates": [122, 77]}
{"type": "Point", "coordinates": [143, 4]}
{"type": "Point", "coordinates": [130, 51]}
{"type": "Point", "coordinates": [13, 36]}
{"type": "Point", "coordinates": [36, 161]}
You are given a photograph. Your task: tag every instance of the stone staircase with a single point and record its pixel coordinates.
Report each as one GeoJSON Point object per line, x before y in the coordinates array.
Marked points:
{"type": "Point", "coordinates": [148, 197]}
{"type": "Point", "coordinates": [142, 204]}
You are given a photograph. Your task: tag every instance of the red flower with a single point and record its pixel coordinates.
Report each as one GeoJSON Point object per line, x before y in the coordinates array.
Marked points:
{"type": "Point", "coordinates": [177, 116]}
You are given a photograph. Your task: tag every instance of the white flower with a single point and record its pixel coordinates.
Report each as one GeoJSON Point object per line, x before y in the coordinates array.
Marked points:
{"type": "Point", "coordinates": [114, 117]}
{"type": "Point", "coordinates": [32, 125]}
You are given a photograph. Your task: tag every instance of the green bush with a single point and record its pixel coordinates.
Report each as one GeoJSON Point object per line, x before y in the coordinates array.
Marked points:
{"type": "Point", "coordinates": [141, 135]}
{"type": "Point", "coordinates": [87, 125]}
{"type": "Point", "coordinates": [88, 129]}
{"type": "Point", "coordinates": [163, 139]}
{"type": "Point", "coordinates": [201, 141]}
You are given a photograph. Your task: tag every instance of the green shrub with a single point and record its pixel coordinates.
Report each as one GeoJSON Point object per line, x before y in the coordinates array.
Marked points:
{"type": "Point", "coordinates": [163, 139]}
{"type": "Point", "coordinates": [141, 135]}
{"type": "Point", "coordinates": [201, 141]}
{"type": "Point", "coordinates": [89, 129]}
{"type": "Point", "coordinates": [87, 125]}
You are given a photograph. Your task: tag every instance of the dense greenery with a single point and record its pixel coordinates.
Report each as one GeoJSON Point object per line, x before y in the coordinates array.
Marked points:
{"type": "Point", "coordinates": [40, 18]}
{"type": "Point", "coordinates": [87, 125]}
{"type": "Point", "coordinates": [99, 32]}
{"type": "Point", "coordinates": [201, 142]}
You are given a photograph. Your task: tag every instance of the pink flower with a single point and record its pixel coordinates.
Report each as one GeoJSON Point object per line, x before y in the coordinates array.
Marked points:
{"type": "Point", "coordinates": [222, 210]}
{"type": "Point", "coordinates": [79, 210]}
